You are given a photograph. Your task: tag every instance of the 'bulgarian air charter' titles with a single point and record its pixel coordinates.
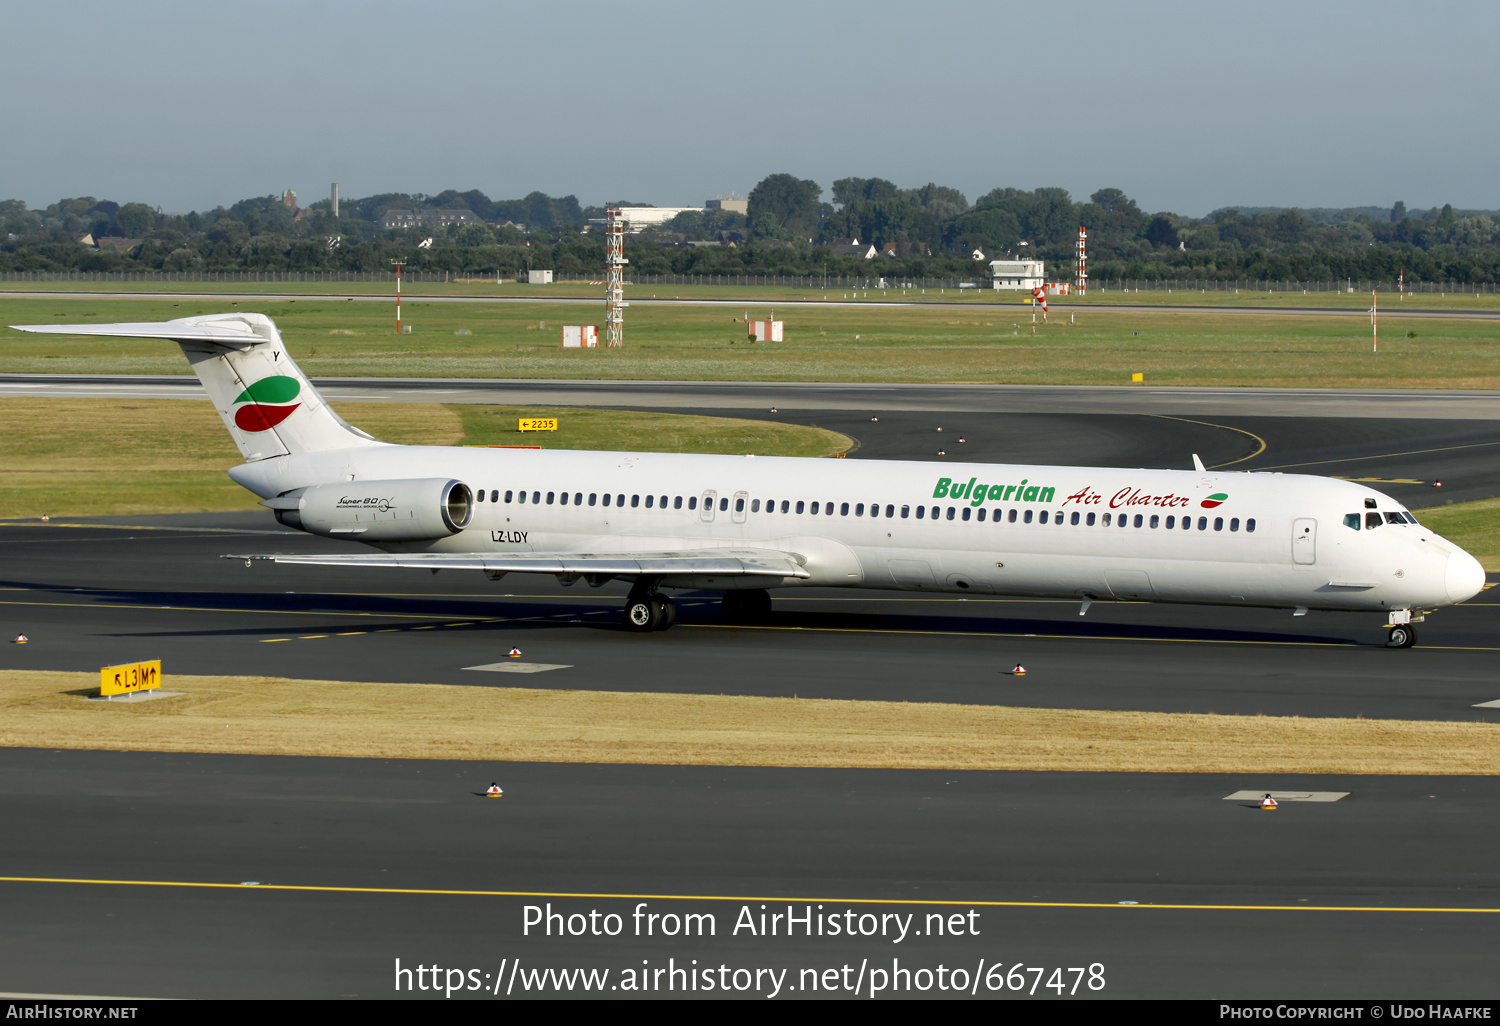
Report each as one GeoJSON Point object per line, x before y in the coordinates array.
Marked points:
{"type": "Point", "coordinates": [977, 494]}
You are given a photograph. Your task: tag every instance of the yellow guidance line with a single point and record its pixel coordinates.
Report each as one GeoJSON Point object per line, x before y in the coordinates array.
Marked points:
{"type": "Point", "coordinates": [1222, 427]}
{"type": "Point", "coordinates": [450, 892]}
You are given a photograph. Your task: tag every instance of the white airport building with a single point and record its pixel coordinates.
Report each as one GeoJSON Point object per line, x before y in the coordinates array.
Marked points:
{"type": "Point", "coordinates": [1016, 274]}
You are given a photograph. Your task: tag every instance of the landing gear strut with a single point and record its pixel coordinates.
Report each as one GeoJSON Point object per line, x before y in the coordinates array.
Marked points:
{"type": "Point", "coordinates": [1401, 636]}
{"type": "Point", "coordinates": [646, 609]}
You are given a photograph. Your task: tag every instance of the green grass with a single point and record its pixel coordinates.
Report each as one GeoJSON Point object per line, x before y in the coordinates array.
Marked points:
{"type": "Point", "coordinates": [875, 343]}
{"type": "Point", "coordinates": [169, 455]}
{"type": "Point", "coordinates": [624, 430]}
{"type": "Point", "coordinates": [1475, 526]}
{"type": "Point", "coordinates": [1354, 302]}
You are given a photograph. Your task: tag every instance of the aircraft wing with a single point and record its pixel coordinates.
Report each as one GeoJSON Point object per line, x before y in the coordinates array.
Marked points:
{"type": "Point", "coordinates": [702, 563]}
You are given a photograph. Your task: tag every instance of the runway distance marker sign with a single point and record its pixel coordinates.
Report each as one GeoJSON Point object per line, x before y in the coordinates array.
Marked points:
{"type": "Point", "coordinates": [129, 677]}
{"type": "Point", "coordinates": [537, 424]}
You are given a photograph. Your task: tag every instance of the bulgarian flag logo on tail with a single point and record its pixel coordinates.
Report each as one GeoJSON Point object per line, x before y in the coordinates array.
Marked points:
{"type": "Point", "coordinates": [266, 403]}
{"type": "Point", "coordinates": [1216, 499]}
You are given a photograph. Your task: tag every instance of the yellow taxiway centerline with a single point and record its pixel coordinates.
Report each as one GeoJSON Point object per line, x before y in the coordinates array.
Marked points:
{"type": "Point", "coordinates": [454, 892]}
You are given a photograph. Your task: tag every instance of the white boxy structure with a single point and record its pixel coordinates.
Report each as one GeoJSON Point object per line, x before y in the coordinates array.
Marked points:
{"type": "Point", "coordinates": [580, 336]}
{"type": "Point", "coordinates": [539, 277]}
{"type": "Point", "coordinates": [766, 331]}
{"type": "Point", "coordinates": [1017, 274]}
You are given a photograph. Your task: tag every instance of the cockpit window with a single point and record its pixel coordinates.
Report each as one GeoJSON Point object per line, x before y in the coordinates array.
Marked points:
{"type": "Point", "coordinates": [1369, 504]}
{"type": "Point", "coordinates": [1351, 520]}
{"type": "Point", "coordinates": [1372, 521]}
{"type": "Point", "coordinates": [1395, 518]}
{"type": "Point", "coordinates": [1411, 519]}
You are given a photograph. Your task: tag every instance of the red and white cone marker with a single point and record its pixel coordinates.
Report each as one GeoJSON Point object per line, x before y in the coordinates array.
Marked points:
{"type": "Point", "coordinates": [961, 438]}
{"type": "Point", "coordinates": [494, 792]}
{"type": "Point", "coordinates": [20, 640]}
{"type": "Point", "coordinates": [1268, 804]}
{"type": "Point", "coordinates": [942, 453]}
{"type": "Point", "coordinates": [874, 420]}
{"type": "Point", "coordinates": [1019, 671]}
{"type": "Point", "coordinates": [45, 518]}
{"type": "Point", "coordinates": [773, 409]}
{"type": "Point", "coordinates": [515, 653]}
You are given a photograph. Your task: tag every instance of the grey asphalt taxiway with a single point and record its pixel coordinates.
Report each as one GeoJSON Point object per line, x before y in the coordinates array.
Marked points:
{"type": "Point", "coordinates": [1300, 902]}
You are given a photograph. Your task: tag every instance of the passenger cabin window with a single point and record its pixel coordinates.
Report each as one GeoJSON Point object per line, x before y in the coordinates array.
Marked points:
{"type": "Point", "coordinates": [507, 496]}
{"type": "Point", "coordinates": [479, 496]}
{"type": "Point", "coordinates": [523, 496]}
{"type": "Point", "coordinates": [1250, 526]}
{"type": "Point", "coordinates": [593, 498]}
{"type": "Point", "coordinates": [677, 502]}
{"type": "Point", "coordinates": [692, 502]}
{"type": "Point", "coordinates": [754, 505]}
{"type": "Point", "coordinates": [1372, 521]}
{"type": "Point", "coordinates": [904, 511]}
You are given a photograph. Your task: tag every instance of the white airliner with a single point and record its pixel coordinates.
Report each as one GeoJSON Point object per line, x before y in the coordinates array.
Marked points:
{"type": "Point", "coordinates": [746, 524]}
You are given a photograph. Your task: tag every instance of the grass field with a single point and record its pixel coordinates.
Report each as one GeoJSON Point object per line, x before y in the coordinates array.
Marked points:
{"type": "Point", "coordinates": [1356, 301]}
{"type": "Point", "coordinates": [272, 716]}
{"type": "Point", "coordinates": [169, 455]}
{"type": "Point", "coordinates": [983, 344]}
{"type": "Point", "coordinates": [1473, 525]}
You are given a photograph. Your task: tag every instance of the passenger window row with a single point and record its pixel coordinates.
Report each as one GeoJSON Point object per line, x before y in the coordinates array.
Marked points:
{"type": "Point", "coordinates": [803, 506]}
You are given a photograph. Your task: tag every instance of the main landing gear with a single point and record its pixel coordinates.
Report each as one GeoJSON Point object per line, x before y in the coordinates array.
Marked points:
{"type": "Point", "coordinates": [646, 609]}
{"type": "Point", "coordinates": [745, 607]}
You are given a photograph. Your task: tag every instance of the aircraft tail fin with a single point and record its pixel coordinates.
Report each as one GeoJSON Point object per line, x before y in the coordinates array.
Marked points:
{"type": "Point", "coordinates": [267, 403]}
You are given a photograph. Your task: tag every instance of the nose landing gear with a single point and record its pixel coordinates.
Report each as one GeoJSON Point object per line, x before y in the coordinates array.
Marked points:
{"type": "Point", "coordinates": [1401, 636]}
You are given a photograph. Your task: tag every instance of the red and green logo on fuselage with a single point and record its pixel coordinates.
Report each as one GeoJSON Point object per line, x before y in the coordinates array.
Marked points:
{"type": "Point", "coordinates": [266, 403]}
{"type": "Point", "coordinates": [1216, 499]}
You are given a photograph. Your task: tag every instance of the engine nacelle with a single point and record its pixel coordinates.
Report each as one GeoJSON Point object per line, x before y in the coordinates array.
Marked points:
{"type": "Point", "coordinates": [386, 511]}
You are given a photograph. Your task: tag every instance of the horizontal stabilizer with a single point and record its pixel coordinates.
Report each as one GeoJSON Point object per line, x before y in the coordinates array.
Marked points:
{"type": "Point", "coordinates": [707, 563]}
{"type": "Point", "coordinates": [230, 330]}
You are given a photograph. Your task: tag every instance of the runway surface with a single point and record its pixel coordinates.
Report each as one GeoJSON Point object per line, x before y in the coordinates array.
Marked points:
{"type": "Point", "coordinates": [727, 396]}
{"type": "Point", "coordinates": [879, 302]}
{"type": "Point", "coordinates": [743, 837]}
{"type": "Point", "coordinates": [102, 590]}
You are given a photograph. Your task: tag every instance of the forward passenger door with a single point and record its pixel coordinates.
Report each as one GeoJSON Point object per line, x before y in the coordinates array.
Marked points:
{"type": "Point", "coordinates": [1305, 541]}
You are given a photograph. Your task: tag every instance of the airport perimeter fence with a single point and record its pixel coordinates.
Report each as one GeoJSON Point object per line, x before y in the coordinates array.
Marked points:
{"type": "Point", "coordinates": [830, 283]}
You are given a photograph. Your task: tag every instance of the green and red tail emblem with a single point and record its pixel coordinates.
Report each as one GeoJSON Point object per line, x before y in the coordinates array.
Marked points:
{"type": "Point", "coordinates": [1216, 499]}
{"type": "Point", "coordinates": [266, 403]}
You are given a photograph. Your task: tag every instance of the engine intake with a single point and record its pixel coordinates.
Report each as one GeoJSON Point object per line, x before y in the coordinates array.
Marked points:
{"type": "Point", "coordinates": [387, 511]}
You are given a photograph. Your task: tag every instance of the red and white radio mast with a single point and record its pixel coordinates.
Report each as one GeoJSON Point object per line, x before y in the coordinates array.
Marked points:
{"type": "Point", "coordinates": [1080, 271]}
{"type": "Point", "coordinates": [614, 277]}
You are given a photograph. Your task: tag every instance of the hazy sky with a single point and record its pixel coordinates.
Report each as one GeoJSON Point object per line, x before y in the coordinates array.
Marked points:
{"type": "Point", "coordinates": [1186, 106]}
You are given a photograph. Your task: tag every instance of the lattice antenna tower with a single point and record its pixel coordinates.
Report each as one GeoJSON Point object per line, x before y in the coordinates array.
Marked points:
{"type": "Point", "coordinates": [614, 277]}
{"type": "Point", "coordinates": [1080, 270]}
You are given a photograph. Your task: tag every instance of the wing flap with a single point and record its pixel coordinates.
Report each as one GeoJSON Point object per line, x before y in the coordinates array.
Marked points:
{"type": "Point", "coordinates": [711, 562]}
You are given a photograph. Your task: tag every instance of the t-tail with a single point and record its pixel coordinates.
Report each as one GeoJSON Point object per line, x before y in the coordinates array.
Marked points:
{"type": "Point", "coordinates": [267, 403]}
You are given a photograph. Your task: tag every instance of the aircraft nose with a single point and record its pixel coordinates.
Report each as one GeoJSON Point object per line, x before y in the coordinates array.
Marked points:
{"type": "Point", "coordinates": [1465, 577]}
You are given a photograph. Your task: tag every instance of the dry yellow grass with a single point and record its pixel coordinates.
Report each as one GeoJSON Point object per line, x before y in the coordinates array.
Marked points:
{"type": "Point", "coordinates": [269, 716]}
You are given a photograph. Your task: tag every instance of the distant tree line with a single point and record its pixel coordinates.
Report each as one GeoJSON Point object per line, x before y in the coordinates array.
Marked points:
{"type": "Point", "coordinates": [930, 231]}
